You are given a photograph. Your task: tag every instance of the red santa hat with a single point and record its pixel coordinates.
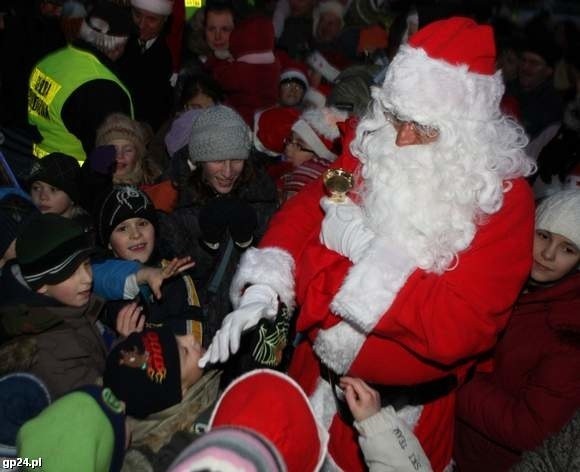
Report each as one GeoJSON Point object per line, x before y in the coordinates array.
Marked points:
{"type": "Point", "coordinates": [294, 70]}
{"type": "Point", "coordinates": [446, 71]}
{"type": "Point", "coordinates": [318, 128]}
{"type": "Point", "coordinates": [272, 127]}
{"type": "Point", "coordinates": [255, 35]}
{"type": "Point", "coordinates": [274, 406]}
{"type": "Point", "coordinates": [317, 95]}
{"type": "Point", "coordinates": [159, 7]}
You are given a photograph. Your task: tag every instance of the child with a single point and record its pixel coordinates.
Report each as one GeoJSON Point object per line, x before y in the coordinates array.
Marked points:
{"type": "Point", "coordinates": [156, 374]}
{"type": "Point", "coordinates": [293, 84]}
{"type": "Point", "coordinates": [48, 313]}
{"type": "Point", "coordinates": [386, 439]}
{"type": "Point", "coordinates": [534, 388]}
{"type": "Point", "coordinates": [126, 225]}
{"type": "Point", "coordinates": [311, 149]}
{"type": "Point", "coordinates": [55, 185]}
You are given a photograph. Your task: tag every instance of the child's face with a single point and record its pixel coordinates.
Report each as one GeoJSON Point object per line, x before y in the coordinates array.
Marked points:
{"type": "Point", "coordinates": [190, 352]}
{"type": "Point", "coordinates": [133, 240]}
{"type": "Point", "coordinates": [291, 93]}
{"type": "Point", "coordinates": [49, 199]}
{"type": "Point", "coordinates": [126, 157]}
{"type": "Point", "coordinates": [297, 151]}
{"type": "Point", "coordinates": [554, 256]}
{"type": "Point", "coordinates": [74, 291]}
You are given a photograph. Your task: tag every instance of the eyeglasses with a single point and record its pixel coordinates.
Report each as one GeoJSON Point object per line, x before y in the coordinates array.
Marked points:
{"type": "Point", "coordinates": [292, 86]}
{"type": "Point", "coordinates": [424, 131]}
{"type": "Point", "coordinates": [293, 142]}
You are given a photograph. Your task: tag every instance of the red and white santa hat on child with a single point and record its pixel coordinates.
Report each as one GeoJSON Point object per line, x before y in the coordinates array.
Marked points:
{"type": "Point", "coordinates": [328, 6]}
{"type": "Point", "coordinates": [294, 70]}
{"type": "Point", "coordinates": [318, 128]}
{"type": "Point", "coordinates": [446, 71]}
{"type": "Point", "coordinates": [272, 127]}
{"type": "Point", "coordinates": [159, 7]}
{"type": "Point", "coordinates": [274, 406]}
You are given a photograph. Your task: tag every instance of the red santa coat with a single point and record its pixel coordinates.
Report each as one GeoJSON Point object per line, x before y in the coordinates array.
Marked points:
{"type": "Point", "coordinates": [402, 330]}
{"type": "Point", "coordinates": [534, 389]}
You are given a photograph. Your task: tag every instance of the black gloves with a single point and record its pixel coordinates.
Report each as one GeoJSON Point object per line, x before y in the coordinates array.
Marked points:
{"type": "Point", "coordinates": [227, 213]}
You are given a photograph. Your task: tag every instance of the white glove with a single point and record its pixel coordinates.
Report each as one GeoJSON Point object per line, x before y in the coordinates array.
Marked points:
{"type": "Point", "coordinates": [258, 301]}
{"type": "Point", "coordinates": [389, 444]}
{"type": "Point", "coordinates": [343, 229]}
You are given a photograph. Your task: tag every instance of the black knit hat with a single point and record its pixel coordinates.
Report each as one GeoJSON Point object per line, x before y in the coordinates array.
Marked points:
{"type": "Point", "coordinates": [144, 372]}
{"type": "Point", "coordinates": [50, 248]}
{"type": "Point", "coordinates": [122, 203]}
{"type": "Point", "coordinates": [61, 171]}
{"type": "Point", "coordinates": [15, 211]}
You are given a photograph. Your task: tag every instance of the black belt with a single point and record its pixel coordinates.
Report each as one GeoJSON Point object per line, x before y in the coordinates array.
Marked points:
{"type": "Point", "coordinates": [397, 396]}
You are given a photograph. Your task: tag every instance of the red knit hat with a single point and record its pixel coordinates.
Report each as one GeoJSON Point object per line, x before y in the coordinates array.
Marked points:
{"type": "Point", "coordinates": [274, 406]}
{"type": "Point", "coordinates": [272, 127]}
{"type": "Point", "coordinates": [318, 128]}
{"type": "Point", "coordinates": [446, 71]}
{"type": "Point", "coordinates": [251, 36]}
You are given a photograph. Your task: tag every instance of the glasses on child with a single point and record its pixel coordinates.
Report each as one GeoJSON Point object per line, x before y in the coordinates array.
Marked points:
{"type": "Point", "coordinates": [298, 145]}
{"type": "Point", "coordinates": [292, 86]}
{"type": "Point", "coordinates": [424, 131]}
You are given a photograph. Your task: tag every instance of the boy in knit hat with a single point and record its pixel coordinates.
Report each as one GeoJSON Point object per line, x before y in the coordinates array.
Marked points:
{"type": "Point", "coordinates": [55, 185]}
{"type": "Point", "coordinates": [47, 311]}
{"type": "Point", "coordinates": [126, 225]}
{"type": "Point", "coordinates": [83, 430]}
{"type": "Point", "coordinates": [534, 388]}
{"type": "Point", "coordinates": [155, 373]}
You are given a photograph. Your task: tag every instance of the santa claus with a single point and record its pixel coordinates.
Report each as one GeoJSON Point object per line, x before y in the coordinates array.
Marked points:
{"type": "Point", "coordinates": [406, 282]}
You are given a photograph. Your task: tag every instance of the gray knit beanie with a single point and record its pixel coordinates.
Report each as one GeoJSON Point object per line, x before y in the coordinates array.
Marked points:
{"type": "Point", "coordinates": [218, 134]}
{"type": "Point", "coordinates": [560, 214]}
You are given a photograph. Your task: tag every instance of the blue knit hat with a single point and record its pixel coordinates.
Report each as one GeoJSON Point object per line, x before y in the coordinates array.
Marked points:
{"type": "Point", "coordinates": [22, 397]}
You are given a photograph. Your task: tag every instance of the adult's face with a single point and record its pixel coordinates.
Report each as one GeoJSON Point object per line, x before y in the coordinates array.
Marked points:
{"type": "Point", "coordinates": [410, 133]}
{"type": "Point", "coordinates": [533, 70]}
{"type": "Point", "coordinates": [218, 29]}
{"type": "Point", "coordinates": [149, 24]}
{"type": "Point", "coordinates": [222, 175]}
{"type": "Point", "coordinates": [329, 27]}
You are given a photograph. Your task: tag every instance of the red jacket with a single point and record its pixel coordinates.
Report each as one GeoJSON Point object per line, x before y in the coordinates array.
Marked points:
{"type": "Point", "coordinates": [534, 389]}
{"type": "Point", "coordinates": [432, 327]}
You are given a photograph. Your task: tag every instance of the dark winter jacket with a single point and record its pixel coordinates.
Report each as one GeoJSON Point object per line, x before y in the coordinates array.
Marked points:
{"type": "Point", "coordinates": [534, 388]}
{"type": "Point", "coordinates": [61, 345]}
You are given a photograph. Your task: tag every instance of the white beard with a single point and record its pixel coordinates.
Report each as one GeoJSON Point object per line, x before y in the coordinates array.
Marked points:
{"type": "Point", "coordinates": [419, 197]}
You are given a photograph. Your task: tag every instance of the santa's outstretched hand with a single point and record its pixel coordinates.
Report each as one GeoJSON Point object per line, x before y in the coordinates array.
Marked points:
{"type": "Point", "coordinates": [343, 228]}
{"type": "Point", "coordinates": [258, 301]}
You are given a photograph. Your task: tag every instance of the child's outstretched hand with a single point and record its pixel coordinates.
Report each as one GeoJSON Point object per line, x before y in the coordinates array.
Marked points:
{"type": "Point", "coordinates": [155, 276]}
{"type": "Point", "coordinates": [129, 320]}
{"type": "Point", "coordinates": [362, 400]}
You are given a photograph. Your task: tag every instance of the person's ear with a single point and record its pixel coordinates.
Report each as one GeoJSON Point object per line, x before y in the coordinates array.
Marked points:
{"type": "Point", "coordinates": [42, 290]}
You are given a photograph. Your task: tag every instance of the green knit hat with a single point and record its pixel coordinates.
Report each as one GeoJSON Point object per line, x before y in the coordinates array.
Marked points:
{"type": "Point", "coordinates": [83, 430]}
{"type": "Point", "coordinates": [50, 248]}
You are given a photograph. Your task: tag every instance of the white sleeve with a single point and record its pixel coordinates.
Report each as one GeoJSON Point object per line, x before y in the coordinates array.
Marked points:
{"type": "Point", "coordinates": [388, 445]}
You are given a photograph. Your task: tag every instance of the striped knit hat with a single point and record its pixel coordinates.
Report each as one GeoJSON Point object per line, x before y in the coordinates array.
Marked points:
{"type": "Point", "coordinates": [50, 248]}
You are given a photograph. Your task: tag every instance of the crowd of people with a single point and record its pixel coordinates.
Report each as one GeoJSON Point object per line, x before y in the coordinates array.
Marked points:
{"type": "Point", "coordinates": [181, 289]}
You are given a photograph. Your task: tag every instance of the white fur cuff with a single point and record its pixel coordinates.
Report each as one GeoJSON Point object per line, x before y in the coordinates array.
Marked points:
{"type": "Point", "coordinates": [372, 284]}
{"type": "Point", "coordinates": [338, 346]}
{"type": "Point", "coordinates": [269, 266]}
